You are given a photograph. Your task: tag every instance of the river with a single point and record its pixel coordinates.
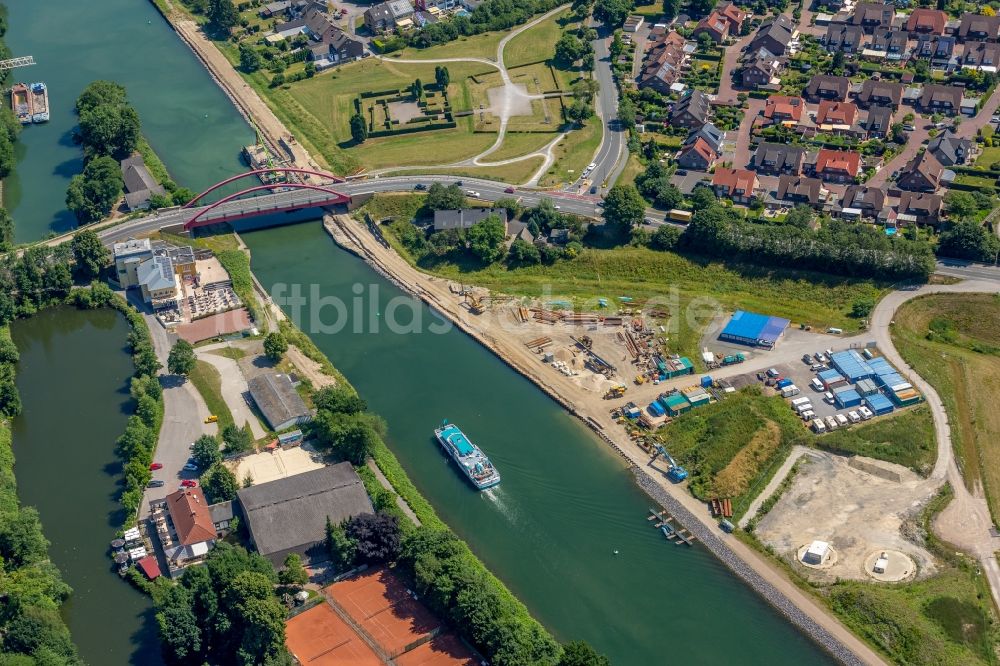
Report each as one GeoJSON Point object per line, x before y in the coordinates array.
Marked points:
{"type": "Point", "coordinates": [73, 378]}
{"type": "Point", "coordinates": [566, 503]}
{"type": "Point", "coordinates": [188, 120]}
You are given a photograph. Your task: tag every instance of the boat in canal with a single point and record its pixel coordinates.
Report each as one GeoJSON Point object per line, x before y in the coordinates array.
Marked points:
{"type": "Point", "coordinates": [20, 102]}
{"type": "Point", "coordinates": [472, 461]}
{"type": "Point", "coordinates": [39, 103]}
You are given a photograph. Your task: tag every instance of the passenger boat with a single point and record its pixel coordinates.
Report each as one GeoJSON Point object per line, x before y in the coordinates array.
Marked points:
{"type": "Point", "coordinates": [39, 103]}
{"type": "Point", "coordinates": [20, 102]}
{"type": "Point", "coordinates": [472, 461]}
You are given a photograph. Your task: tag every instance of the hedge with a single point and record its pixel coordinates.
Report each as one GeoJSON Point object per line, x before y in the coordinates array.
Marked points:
{"type": "Point", "coordinates": [409, 130]}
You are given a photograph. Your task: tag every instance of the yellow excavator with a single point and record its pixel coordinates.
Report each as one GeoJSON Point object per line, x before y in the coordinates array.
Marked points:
{"type": "Point", "coordinates": [616, 391]}
{"type": "Point", "coordinates": [475, 303]}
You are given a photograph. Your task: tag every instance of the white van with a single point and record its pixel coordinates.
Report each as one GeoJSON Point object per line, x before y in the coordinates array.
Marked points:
{"type": "Point", "coordinates": [789, 391]}
{"type": "Point", "coordinates": [800, 401]}
{"type": "Point", "coordinates": [831, 423]}
{"type": "Point", "coordinates": [802, 409]}
{"type": "Point", "coordinates": [854, 417]}
{"type": "Point", "coordinates": [865, 413]}
{"type": "Point", "coordinates": [841, 419]}
{"type": "Point", "coordinates": [834, 331]}
{"type": "Point", "coordinates": [817, 384]}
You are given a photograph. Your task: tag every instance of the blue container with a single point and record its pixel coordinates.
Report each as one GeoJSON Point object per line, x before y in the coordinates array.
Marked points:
{"type": "Point", "coordinates": [785, 382]}
{"type": "Point", "coordinates": [706, 381]}
{"type": "Point", "coordinates": [655, 408]}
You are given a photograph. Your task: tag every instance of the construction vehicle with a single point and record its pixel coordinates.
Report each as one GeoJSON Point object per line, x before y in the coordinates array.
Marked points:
{"type": "Point", "coordinates": [475, 303]}
{"type": "Point", "coordinates": [640, 380]}
{"type": "Point", "coordinates": [616, 391]}
{"type": "Point", "coordinates": [675, 472]}
{"type": "Point", "coordinates": [212, 419]}
{"type": "Point", "coordinates": [733, 359]}
{"type": "Point", "coordinates": [586, 342]}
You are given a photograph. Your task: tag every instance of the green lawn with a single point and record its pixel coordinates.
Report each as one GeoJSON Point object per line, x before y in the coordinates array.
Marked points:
{"type": "Point", "coordinates": [209, 384]}
{"type": "Point", "coordinates": [516, 172]}
{"type": "Point", "coordinates": [476, 46]}
{"type": "Point", "coordinates": [574, 153]}
{"type": "Point", "coordinates": [988, 156]}
{"type": "Point", "coordinates": [906, 438]}
{"type": "Point", "coordinates": [520, 143]}
{"type": "Point", "coordinates": [537, 44]}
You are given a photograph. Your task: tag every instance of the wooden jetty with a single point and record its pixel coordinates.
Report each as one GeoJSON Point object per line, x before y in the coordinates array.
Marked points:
{"type": "Point", "coordinates": [661, 520]}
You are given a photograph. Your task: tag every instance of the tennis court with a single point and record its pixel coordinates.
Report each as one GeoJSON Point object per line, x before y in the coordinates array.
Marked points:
{"type": "Point", "coordinates": [442, 650]}
{"type": "Point", "coordinates": [318, 637]}
{"type": "Point", "coordinates": [380, 604]}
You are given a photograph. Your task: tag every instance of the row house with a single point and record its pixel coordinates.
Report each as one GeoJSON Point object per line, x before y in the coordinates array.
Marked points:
{"type": "Point", "coordinates": [935, 98]}
{"type": "Point", "coordinates": [939, 49]}
{"type": "Point", "coordinates": [878, 124]}
{"type": "Point", "coordinates": [697, 156]}
{"type": "Point", "coordinates": [776, 159]}
{"type": "Point", "coordinates": [837, 166]}
{"type": "Point", "coordinates": [862, 201]}
{"type": "Point", "coordinates": [880, 93]}
{"type": "Point", "coordinates": [784, 109]}
{"type": "Point", "coordinates": [825, 86]}
{"type": "Point", "coordinates": [889, 41]}
{"type": "Point", "coordinates": [976, 27]}
{"type": "Point", "coordinates": [760, 71]}
{"type": "Point", "coordinates": [924, 21]}
{"type": "Point", "coordinates": [692, 111]}
{"type": "Point", "coordinates": [801, 190]}
{"type": "Point", "coordinates": [662, 65]}
{"type": "Point", "coordinates": [843, 37]}
{"type": "Point", "coordinates": [921, 174]}
{"type": "Point", "coordinates": [981, 55]}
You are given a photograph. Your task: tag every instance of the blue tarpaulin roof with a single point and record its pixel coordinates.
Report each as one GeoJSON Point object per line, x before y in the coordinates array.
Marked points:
{"type": "Point", "coordinates": [878, 403]}
{"type": "Point", "coordinates": [881, 366]}
{"type": "Point", "coordinates": [753, 328]}
{"type": "Point", "coordinates": [852, 365]}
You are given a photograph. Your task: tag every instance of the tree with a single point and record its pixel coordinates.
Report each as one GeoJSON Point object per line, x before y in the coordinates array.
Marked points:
{"type": "Point", "coordinates": [665, 237]}
{"type": "Point", "coordinates": [624, 206]}
{"type": "Point", "coordinates": [6, 231]}
{"type": "Point", "coordinates": [523, 253]}
{"type": "Point", "coordinates": [250, 60]}
{"type": "Point", "coordinates": [376, 536]}
{"type": "Point", "coordinates": [180, 630]}
{"type": "Point", "coordinates": [862, 307]}
{"type": "Point", "coordinates": [293, 573]}
{"type": "Point", "coordinates": [350, 435]}
{"type": "Point", "coordinates": [341, 547]}
{"type": "Point", "coordinates": [237, 440]}
{"type": "Point", "coordinates": [800, 216]}
{"type": "Point", "coordinates": [569, 49]}
{"type": "Point", "coordinates": [110, 130]}
{"type": "Point", "coordinates": [277, 80]}
{"type": "Point", "coordinates": [338, 399]}
{"type": "Point", "coordinates": [486, 238]}
{"type": "Point", "coordinates": [442, 197]}
{"type": "Point", "coordinates": [219, 484]}
{"type": "Point", "coordinates": [969, 240]}
{"type": "Point", "coordinates": [417, 89]}
{"type": "Point", "coordinates": [206, 451]}
{"type": "Point", "coordinates": [275, 345]}
{"type": "Point", "coordinates": [699, 8]}
{"type": "Point", "coordinates": [101, 93]}
{"type": "Point", "coordinates": [21, 539]}
{"type": "Point", "coordinates": [579, 653]}
{"type": "Point", "coordinates": [670, 8]}
{"type": "Point", "coordinates": [359, 128]}
{"type": "Point", "coordinates": [181, 360]}
{"type": "Point", "coordinates": [961, 205]}
{"type": "Point", "coordinates": [92, 194]}
{"type": "Point", "coordinates": [441, 76]}
{"type": "Point", "coordinates": [579, 111]}
{"type": "Point", "coordinates": [702, 197]}
{"type": "Point", "coordinates": [612, 12]}
{"type": "Point", "coordinates": [222, 16]}
{"type": "Point", "coordinates": [90, 254]}
{"type": "Point", "coordinates": [837, 63]}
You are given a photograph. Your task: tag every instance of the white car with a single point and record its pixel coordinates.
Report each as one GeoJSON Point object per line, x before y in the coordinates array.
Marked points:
{"type": "Point", "coordinates": [816, 384]}
{"type": "Point", "coordinates": [592, 166]}
{"type": "Point", "coordinates": [854, 417]}
{"type": "Point", "coordinates": [865, 413]}
{"type": "Point", "coordinates": [831, 423]}
{"type": "Point", "coordinates": [828, 396]}
{"type": "Point", "coordinates": [841, 419]}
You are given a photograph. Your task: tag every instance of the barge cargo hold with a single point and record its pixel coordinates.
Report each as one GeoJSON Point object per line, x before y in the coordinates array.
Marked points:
{"type": "Point", "coordinates": [473, 462]}
{"type": "Point", "coordinates": [39, 103]}
{"type": "Point", "coordinates": [20, 102]}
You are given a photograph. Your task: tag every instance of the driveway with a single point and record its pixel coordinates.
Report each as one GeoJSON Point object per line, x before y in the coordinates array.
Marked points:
{"type": "Point", "coordinates": [914, 141]}
{"type": "Point", "coordinates": [235, 391]}
{"type": "Point", "coordinates": [741, 157]}
{"type": "Point", "coordinates": [730, 63]}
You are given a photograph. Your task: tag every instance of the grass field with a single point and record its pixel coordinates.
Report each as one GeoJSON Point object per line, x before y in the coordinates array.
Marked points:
{"type": "Point", "coordinates": [906, 438]}
{"type": "Point", "coordinates": [516, 172]}
{"type": "Point", "coordinates": [574, 153]}
{"type": "Point", "coordinates": [733, 447]}
{"type": "Point", "coordinates": [209, 384]}
{"type": "Point", "coordinates": [988, 156]}
{"type": "Point", "coordinates": [520, 143]}
{"type": "Point", "coordinates": [537, 43]}
{"type": "Point", "coordinates": [953, 342]}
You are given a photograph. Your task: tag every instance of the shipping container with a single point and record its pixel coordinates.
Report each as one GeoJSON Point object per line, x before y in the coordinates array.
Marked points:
{"type": "Point", "coordinates": [706, 381]}
{"type": "Point", "coordinates": [655, 408]}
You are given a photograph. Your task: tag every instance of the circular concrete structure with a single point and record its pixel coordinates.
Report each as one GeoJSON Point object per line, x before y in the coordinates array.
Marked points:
{"type": "Point", "coordinates": [899, 566]}
{"type": "Point", "coordinates": [828, 561]}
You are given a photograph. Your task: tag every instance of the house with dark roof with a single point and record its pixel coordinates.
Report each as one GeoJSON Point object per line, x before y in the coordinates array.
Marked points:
{"type": "Point", "coordinates": [862, 201]}
{"type": "Point", "coordinates": [924, 207]}
{"type": "Point", "coordinates": [737, 185]}
{"type": "Point", "coordinates": [465, 217]}
{"type": "Point", "coordinates": [935, 98]}
{"type": "Point", "coordinates": [825, 86]}
{"type": "Point", "coordinates": [939, 49]}
{"type": "Point", "coordinates": [843, 37]}
{"type": "Point", "coordinates": [950, 150]}
{"type": "Point", "coordinates": [691, 111]}
{"type": "Point", "coordinates": [760, 70]}
{"type": "Point", "coordinates": [776, 159]}
{"type": "Point", "coordinates": [879, 122]}
{"type": "Point", "coordinates": [921, 174]}
{"type": "Point", "coordinates": [831, 112]}
{"type": "Point", "coordinates": [289, 515]}
{"type": "Point", "coordinates": [801, 190]}
{"type": "Point", "coordinates": [697, 155]}
{"type": "Point", "coordinates": [774, 35]}
{"type": "Point", "coordinates": [273, 9]}
{"type": "Point", "coordinates": [784, 109]}
{"type": "Point", "coordinates": [663, 61]}
{"type": "Point", "coordinates": [880, 93]}
{"type": "Point", "coordinates": [387, 15]}
{"type": "Point", "coordinates": [714, 25]}
{"type": "Point", "coordinates": [924, 21]}
{"type": "Point", "coordinates": [890, 41]}
{"type": "Point", "coordinates": [869, 16]}
{"type": "Point", "coordinates": [981, 55]}
{"type": "Point", "coordinates": [709, 133]}
{"type": "Point", "coordinates": [279, 402]}
{"type": "Point", "coordinates": [140, 186]}
{"type": "Point", "coordinates": [976, 27]}
{"type": "Point", "coordinates": [838, 166]}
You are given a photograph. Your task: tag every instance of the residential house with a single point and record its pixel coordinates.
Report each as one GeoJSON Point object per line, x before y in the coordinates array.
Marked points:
{"type": "Point", "coordinates": [939, 49]}
{"type": "Point", "coordinates": [879, 122]}
{"type": "Point", "coordinates": [279, 402]}
{"type": "Point", "coordinates": [870, 16]}
{"type": "Point", "coordinates": [691, 111]}
{"type": "Point", "coordinates": [734, 15]}
{"type": "Point", "coordinates": [697, 155]}
{"type": "Point", "coordinates": [388, 15]}
{"type": "Point", "coordinates": [128, 256]}
{"type": "Point", "coordinates": [465, 217]}
{"type": "Point", "coordinates": [709, 133]}
{"type": "Point", "coordinates": [784, 109]}
{"type": "Point", "coordinates": [801, 190]}
{"type": "Point", "coordinates": [776, 159]}
{"type": "Point", "coordinates": [140, 186]}
{"type": "Point", "coordinates": [924, 208]}
{"type": "Point", "coordinates": [890, 41]}
{"type": "Point", "coordinates": [774, 35]}
{"type": "Point", "coordinates": [862, 201]}
{"type": "Point", "coordinates": [273, 9]}
{"type": "Point", "coordinates": [950, 150]}
{"type": "Point", "coordinates": [222, 517]}
{"type": "Point", "coordinates": [517, 230]}
{"type": "Point", "coordinates": [976, 27]}
{"type": "Point", "coordinates": [838, 166]}
{"type": "Point", "coordinates": [737, 185]}
{"type": "Point", "coordinates": [714, 25]}
{"type": "Point", "coordinates": [184, 526]}
{"type": "Point", "coordinates": [921, 174]}
{"type": "Point", "coordinates": [836, 113]}
{"type": "Point", "coordinates": [924, 21]}
{"type": "Point", "coordinates": [825, 86]}
{"type": "Point", "coordinates": [760, 71]}
{"type": "Point", "coordinates": [662, 63]}
{"type": "Point", "coordinates": [843, 37]}
{"type": "Point", "coordinates": [880, 93]}
{"type": "Point", "coordinates": [935, 98]}
{"type": "Point", "coordinates": [981, 55]}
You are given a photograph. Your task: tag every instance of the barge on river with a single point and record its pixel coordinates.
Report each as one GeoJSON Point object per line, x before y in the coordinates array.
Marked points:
{"type": "Point", "coordinates": [20, 102]}
{"type": "Point", "coordinates": [472, 461]}
{"type": "Point", "coordinates": [39, 103]}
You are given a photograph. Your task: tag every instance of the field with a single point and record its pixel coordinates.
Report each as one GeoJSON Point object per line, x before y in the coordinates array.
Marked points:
{"type": "Point", "coordinates": [209, 384]}
{"type": "Point", "coordinates": [536, 44]}
{"type": "Point", "coordinates": [732, 448]}
{"type": "Point", "coordinates": [906, 438]}
{"type": "Point", "coordinates": [573, 154]}
{"type": "Point", "coordinates": [520, 143]}
{"type": "Point", "coordinates": [953, 342]}
{"type": "Point", "coordinates": [988, 156]}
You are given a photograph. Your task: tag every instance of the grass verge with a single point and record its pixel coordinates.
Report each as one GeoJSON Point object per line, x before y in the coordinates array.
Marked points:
{"type": "Point", "coordinates": [209, 384]}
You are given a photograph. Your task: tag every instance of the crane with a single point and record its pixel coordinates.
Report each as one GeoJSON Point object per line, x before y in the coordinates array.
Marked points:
{"type": "Point", "coordinates": [11, 63]}
{"type": "Point", "coordinates": [675, 472]}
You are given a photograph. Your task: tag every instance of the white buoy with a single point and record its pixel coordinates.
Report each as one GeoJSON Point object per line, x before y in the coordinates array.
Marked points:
{"type": "Point", "coordinates": [616, 552]}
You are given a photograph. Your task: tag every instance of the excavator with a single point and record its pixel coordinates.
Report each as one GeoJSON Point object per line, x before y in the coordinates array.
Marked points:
{"type": "Point", "coordinates": [615, 391]}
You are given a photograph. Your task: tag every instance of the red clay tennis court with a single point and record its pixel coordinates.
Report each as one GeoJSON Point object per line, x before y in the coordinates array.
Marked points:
{"type": "Point", "coordinates": [318, 637]}
{"type": "Point", "coordinates": [380, 604]}
{"type": "Point", "coordinates": [442, 650]}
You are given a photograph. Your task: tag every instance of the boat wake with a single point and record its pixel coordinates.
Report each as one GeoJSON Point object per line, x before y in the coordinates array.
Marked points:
{"type": "Point", "coordinates": [497, 497]}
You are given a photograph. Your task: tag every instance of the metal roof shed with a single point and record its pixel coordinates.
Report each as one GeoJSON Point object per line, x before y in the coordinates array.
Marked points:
{"type": "Point", "coordinates": [880, 366]}
{"type": "Point", "coordinates": [866, 387]}
{"type": "Point", "coordinates": [750, 328]}
{"type": "Point", "coordinates": [831, 378]}
{"type": "Point", "coordinates": [852, 365]}
{"type": "Point", "coordinates": [675, 404]}
{"type": "Point", "coordinates": [848, 398]}
{"type": "Point", "coordinates": [879, 404]}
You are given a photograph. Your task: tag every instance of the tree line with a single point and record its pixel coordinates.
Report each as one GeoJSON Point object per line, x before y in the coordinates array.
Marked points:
{"type": "Point", "coordinates": [9, 129]}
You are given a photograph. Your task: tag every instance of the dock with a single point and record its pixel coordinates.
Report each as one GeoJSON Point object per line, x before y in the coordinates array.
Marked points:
{"type": "Point", "coordinates": [661, 520]}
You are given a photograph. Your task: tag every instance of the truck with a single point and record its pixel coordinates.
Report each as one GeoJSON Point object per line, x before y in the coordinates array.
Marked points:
{"type": "Point", "coordinates": [783, 382]}
{"type": "Point", "coordinates": [680, 215]}
{"type": "Point", "coordinates": [733, 359]}
{"type": "Point", "coordinates": [789, 391]}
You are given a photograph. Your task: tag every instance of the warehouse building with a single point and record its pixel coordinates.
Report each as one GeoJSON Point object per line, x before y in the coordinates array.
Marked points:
{"type": "Point", "coordinates": [879, 404]}
{"type": "Point", "coordinates": [845, 397]}
{"type": "Point", "coordinates": [852, 365]}
{"type": "Point", "coordinates": [831, 379]}
{"type": "Point", "coordinates": [750, 328]}
{"type": "Point", "coordinates": [277, 399]}
{"type": "Point", "coordinates": [675, 404]}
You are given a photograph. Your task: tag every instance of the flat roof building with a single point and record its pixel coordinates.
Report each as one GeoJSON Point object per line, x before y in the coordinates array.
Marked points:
{"type": "Point", "coordinates": [750, 328]}
{"type": "Point", "coordinates": [128, 255]}
{"type": "Point", "coordinates": [276, 397]}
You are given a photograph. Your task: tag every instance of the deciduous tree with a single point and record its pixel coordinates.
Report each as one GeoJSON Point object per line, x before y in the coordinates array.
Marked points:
{"type": "Point", "coordinates": [624, 207]}
{"type": "Point", "coordinates": [93, 194]}
{"type": "Point", "coordinates": [206, 451]}
{"type": "Point", "coordinates": [90, 254]}
{"type": "Point", "coordinates": [181, 360]}
{"type": "Point", "coordinates": [219, 484]}
{"type": "Point", "coordinates": [275, 345]}
{"type": "Point", "coordinates": [486, 239]}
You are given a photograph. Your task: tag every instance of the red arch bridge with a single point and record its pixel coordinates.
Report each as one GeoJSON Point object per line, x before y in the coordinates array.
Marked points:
{"type": "Point", "coordinates": [272, 198]}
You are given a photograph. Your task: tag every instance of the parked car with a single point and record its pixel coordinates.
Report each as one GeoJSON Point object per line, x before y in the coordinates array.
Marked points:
{"type": "Point", "coordinates": [420, 187]}
{"type": "Point", "coordinates": [841, 419]}
{"type": "Point", "coordinates": [854, 416]}
{"type": "Point", "coordinates": [155, 483]}
{"type": "Point", "coordinates": [459, 183]}
{"type": "Point", "coordinates": [865, 413]}
{"type": "Point", "coordinates": [593, 189]}
{"type": "Point", "coordinates": [155, 466]}
{"type": "Point", "coordinates": [189, 483]}
{"type": "Point", "coordinates": [816, 384]}
{"type": "Point", "coordinates": [190, 467]}
{"type": "Point", "coordinates": [772, 372]}
{"type": "Point", "coordinates": [681, 172]}
{"type": "Point", "coordinates": [828, 396]}
{"type": "Point", "coordinates": [807, 359]}
{"type": "Point", "coordinates": [831, 423]}
{"type": "Point", "coordinates": [509, 190]}
{"type": "Point", "coordinates": [820, 358]}
{"type": "Point", "coordinates": [909, 127]}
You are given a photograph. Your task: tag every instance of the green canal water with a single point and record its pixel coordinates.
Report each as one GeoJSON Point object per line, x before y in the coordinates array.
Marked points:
{"type": "Point", "coordinates": [566, 503]}
{"type": "Point", "coordinates": [73, 378]}
{"type": "Point", "coordinates": [188, 120]}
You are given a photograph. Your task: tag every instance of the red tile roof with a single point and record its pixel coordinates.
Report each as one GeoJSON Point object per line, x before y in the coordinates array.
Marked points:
{"type": "Point", "coordinates": [784, 106]}
{"type": "Point", "coordinates": [189, 513]}
{"type": "Point", "coordinates": [734, 179]}
{"type": "Point", "coordinates": [735, 15]}
{"type": "Point", "coordinates": [838, 160]}
{"type": "Point", "coordinates": [836, 113]}
{"type": "Point", "coordinates": [927, 20]}
{"type": "Point", "coordinates": [701, 147]}
{"type": "Point", "coordinates": [149, 567]}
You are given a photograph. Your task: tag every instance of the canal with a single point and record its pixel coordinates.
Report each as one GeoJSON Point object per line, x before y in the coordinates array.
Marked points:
{"type": "Point", "coordinates": [186, 117]}
{"type": "Point", "coordinates": [566, 503]}
{"type": "Point", "coordinates": [73, 378]}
